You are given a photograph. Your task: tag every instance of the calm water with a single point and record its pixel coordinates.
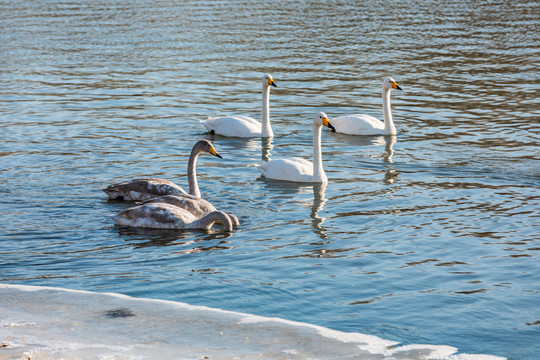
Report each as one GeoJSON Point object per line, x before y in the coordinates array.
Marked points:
{"type": "Point", "coordinates": [429, 237]}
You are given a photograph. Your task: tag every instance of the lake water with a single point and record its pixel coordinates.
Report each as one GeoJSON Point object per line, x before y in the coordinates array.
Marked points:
{"type": "Point", "coordinates": [429, 237]}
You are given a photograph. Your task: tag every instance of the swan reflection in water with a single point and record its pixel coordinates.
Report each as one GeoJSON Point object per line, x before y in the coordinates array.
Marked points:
{"type": "Point", "coordinates": [318, 204]}
{"type": "Point", "coordinates": [369, 141]}
{"type": "Point", "coordinates": [241, 144]}
{"type": "Point", "coordinates": [146, 237]}
{"type": "Point", "coordinates": [390, 175]}
{"type": "Point", "coordinates": [288, 194]}
{"type": "Point", "coordinates": [389, 148]}
{"type": "Point", "coordinates": [266, 145]}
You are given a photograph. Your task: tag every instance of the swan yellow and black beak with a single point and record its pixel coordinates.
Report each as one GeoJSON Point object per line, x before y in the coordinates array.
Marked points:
{"type": "Point", "coordinates": [271, 82]}
{"type": "Point", "coordinates": [326, 123]}
{"type": "Point", "coordinates": [395, 85]}
{"type": "Point", "coordinates": [214, 152]}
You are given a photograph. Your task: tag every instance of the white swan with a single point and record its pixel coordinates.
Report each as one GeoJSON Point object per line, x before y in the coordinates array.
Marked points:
{"type": "Point", "coordinates": [297, 169]}
{"type": "Point", "coordinates": [244, 126]}
{"type": "Point", "coordinates": [361, 124]}
{"type": "Point", "coordinates": [167, 216]}
{"type": "Point", "coordinates": [148, 188]}
{"type": "Point", "coordinates": [196, 206]}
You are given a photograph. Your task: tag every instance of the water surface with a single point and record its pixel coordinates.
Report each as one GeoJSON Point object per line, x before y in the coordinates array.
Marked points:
{"type": "Point", "coordinates": [427, 237]}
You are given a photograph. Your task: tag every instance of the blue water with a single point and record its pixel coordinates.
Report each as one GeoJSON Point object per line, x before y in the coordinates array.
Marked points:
{"type": "Point", "coordinates": [429, 237]}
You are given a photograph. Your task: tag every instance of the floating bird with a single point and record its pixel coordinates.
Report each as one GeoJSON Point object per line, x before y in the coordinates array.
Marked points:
{"type": "Point", "coordinates": [362, 124]}
{"type": "Point", "coordinates": [167, 216]}
{"type": "Point", "coordinates": [297, 169]}
{"type": "Point", "coordinates": [196, 206]}
{"type": "Point", "coordinates": [148, 188]}
{"type": "Point", "coordinates": [244, 126]}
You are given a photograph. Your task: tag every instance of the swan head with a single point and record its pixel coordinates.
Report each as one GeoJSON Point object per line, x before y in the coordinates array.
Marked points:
{"type": "Point", "coordinates": [390, 83]}
{"type": "Point", "coordinates": [206, 146]}
{"type": "Point", "coordinates": [321, 119]}
{"type": "Point", "coordinates": [268, 80]}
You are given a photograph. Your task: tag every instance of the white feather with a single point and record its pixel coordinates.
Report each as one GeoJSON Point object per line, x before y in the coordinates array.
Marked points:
{"type": "Point", "coordinates": [361, 124]}
{"type": "Point", "coordinates": [297, 169]}
{"type": "Point", "coordinates": [245, 126]}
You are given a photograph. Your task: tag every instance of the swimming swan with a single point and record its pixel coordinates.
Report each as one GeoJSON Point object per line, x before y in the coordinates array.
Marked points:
{"type": "Point", "coordinates": [297, 169]}
{"type": "Point", "coordinates": [196, 206]}
{"type": "Point", "coordinates": [244, 126]}
{"type": "Point", "coordinates": [167, 216]}
{"type": "Point", "coordinates": [148, 188]}
{"type": "Point", "coordinates": [361, 124]}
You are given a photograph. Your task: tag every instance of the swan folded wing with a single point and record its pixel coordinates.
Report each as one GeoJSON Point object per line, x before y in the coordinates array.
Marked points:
{"type": "Point", "coordinates": [291, 169]}
{"type": "Point", "coordinates": [167, 216]}
{"type": "Point", "coordinates": [358, 124]}
{"type": "Point", "coordinates": [196, 206]}
{"type": "Point", "coordinates": [246, 119]}
{"type": "Point", "coordinates": [158, 215]}
{"type": "Point", "coordinates": [233, 126]}
{"type": "Point", "coordinates": [142, 189]}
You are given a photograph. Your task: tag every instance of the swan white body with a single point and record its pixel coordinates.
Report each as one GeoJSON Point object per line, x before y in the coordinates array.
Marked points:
{"type": "Point", "coordinates": [361, 124]}
{"type": "Point", "coordinates": [297, 169]}
{"type": "Point", "coordinates": [148, 188]}
{"type": "Point", "coordinates": [196, 206]}
{"type": "Point", "coordinates": [245, 126]}
{"type": "Point", "coordinates": [167, 216]}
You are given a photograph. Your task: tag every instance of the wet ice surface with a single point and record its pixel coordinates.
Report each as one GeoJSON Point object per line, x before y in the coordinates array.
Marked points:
{"type": "Point", "coordinates": [51, 323]}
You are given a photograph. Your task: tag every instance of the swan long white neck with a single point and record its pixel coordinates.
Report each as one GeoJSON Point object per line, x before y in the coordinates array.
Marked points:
{"type": "Point", "coordinates": [389, 128]}
{"type": "Point", "coordinates": [318, 171]}
{"type": "Point", "coordinates": [266, 129]}
{"type": "Point", "coordinates": [192, 173]}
